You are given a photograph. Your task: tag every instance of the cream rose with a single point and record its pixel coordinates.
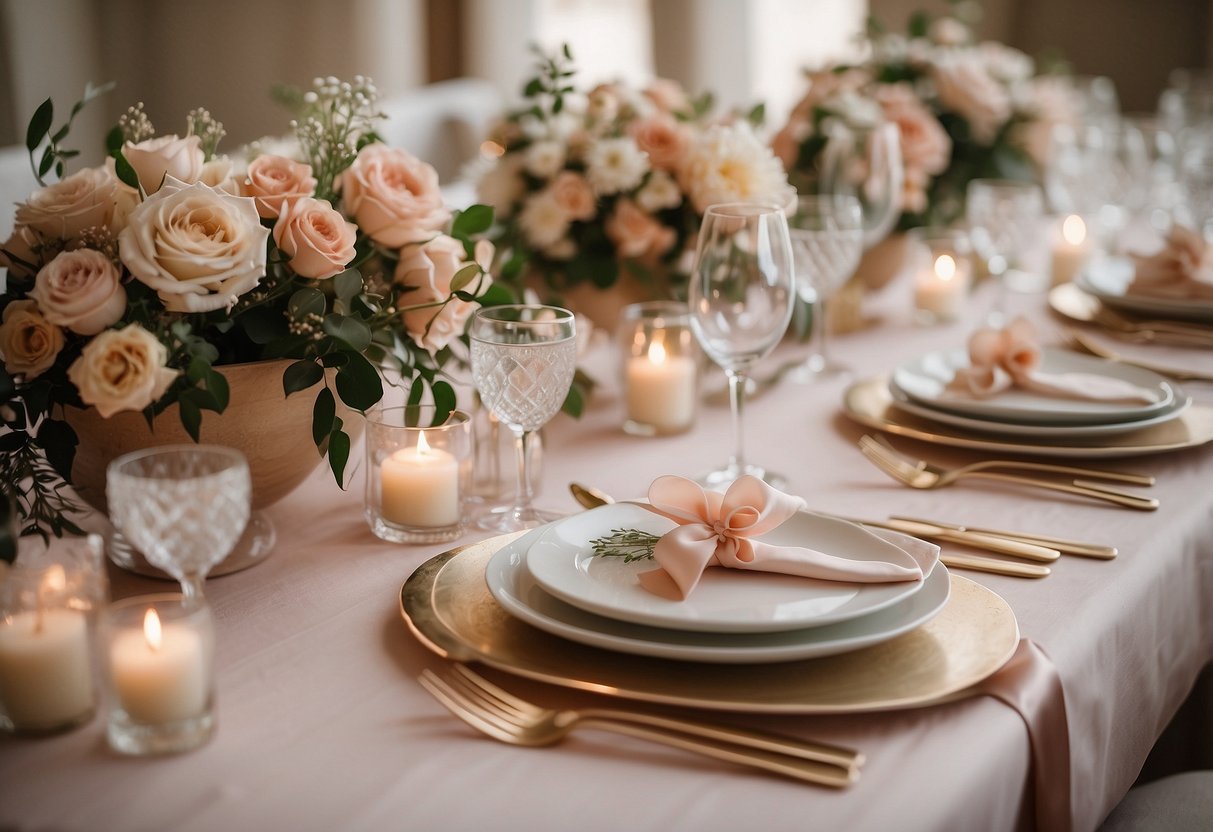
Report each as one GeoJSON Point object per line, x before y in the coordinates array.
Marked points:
{"type": "Point", "coordinates": [926, 148]}
{"type": "Point", "coordinates": [165, 156]}
{"type": "Point", "coordinates": [80, 290]}
{"type": "Point", "coordinates": [29, 343]}
{"type": "Point", "coordinates": [965, 87]}
{"type": "Point", "coordinates": [574, 195]}
{"type": "Point", "coordinates": [662, 138]}
{"type": "Point", "coordinates": [63, 210]}
{"type": "Point", "coordinates": [316, 238]}
{"type": "Point", "coordinates": [429, 268]}
{"type": "Point", "coordinates": [501, 186]}
{"type": "Point", "coordinates": [393, 196]}
{"type": "Point", "coordinates": [272, 180]}
{"type": "Point", "coordinates": [668, 96]}
{"type": "Point", "coordinates": [635, 233]}
{"type": "Point", "coordinates": [218, 174]}
{"type": "Point", "coordinates": [199, 248]}
{"type": "Point", "coordinates": [121, 369]}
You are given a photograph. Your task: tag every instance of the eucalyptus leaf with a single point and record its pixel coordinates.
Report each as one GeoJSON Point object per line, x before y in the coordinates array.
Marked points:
{"type": "Point", "coordinates": [347, 284]}
{"type": "Point", "coordinates": [444, 400]}
{"type": "Point", "coordinates": [191, 417]}
{"type": "Point", "coordinates": [358, 383]}
{"type": "Point", "coordinates": [464, 276]}
{"type": "Point", "coordinates": [351, 331]}
{"type": "Point", "coordinates": [306, 302]}
{"type": "Point", "coordinates": [218, 387]}
{"type": "Point", "coordinates": [301, 375]}
{"type": "Point", "coordinates": [324, 412]}
{"type": "Point", "coordinates": [39, 125]}
{"type": "Point", "coordinates": [475, 219]}
{"type": "Point", "coordinates": [125, 172]}
{"type": "Point", "coordinates": [339, 454]}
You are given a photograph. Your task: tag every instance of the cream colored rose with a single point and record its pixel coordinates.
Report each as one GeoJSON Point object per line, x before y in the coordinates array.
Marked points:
{"type": "Point", "coordinates": [316, 238]}
{"type": "Point", "coordinates": [199, 248]}
{"type": "Point", "coordinates": [428, 268]}
{"type": "Point", "coordinates": [83, 200]}
{"type": "Point", "coordinates": [218, 173]}
{"type": "Point", "coordinates": [272, 180]}
{"type": "Point", "coordinates": [635, 233]}
{"type": "Point", "coordinates": [965, 86]}
{"type": "Point", "coordinates": [663, 138]}
{"type": "Point", "coordinates": [393, 196]}
{"type": "Point", "coordinates": [80, 290]}
{"type": "Point", "coordinates": [501, 186]}
{"type": "Point", "coordinates": [542, 220]}
{"type": "Point", "coordinates": [29, 343]}
{"type": "Point", "coordinates": [574, 195]}
{"type": "Point", "coordinates": [156, 159]}
{"type": "Point", "coordinates": [121, 369]}
{"type": "Point", "coordinates": [926, 148]}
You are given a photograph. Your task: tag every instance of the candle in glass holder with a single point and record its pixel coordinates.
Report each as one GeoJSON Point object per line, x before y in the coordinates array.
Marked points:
{"type": "Point", "coordinates": [420, 486]}
{"type": "Point", "coordinates": [160, 673]}
{"type": "Point", "coordinates": [1071, 249]}
{"type": "Point", "coordinates": [940, 288]}
{"type": "Point", "coordinates": [661, 389]}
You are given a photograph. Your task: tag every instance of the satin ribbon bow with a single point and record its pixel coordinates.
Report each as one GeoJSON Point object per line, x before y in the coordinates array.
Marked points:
{"type": "Point", "coordinates": [719, 530]}
{"type": "Point", "coordinates": [1181, 270]}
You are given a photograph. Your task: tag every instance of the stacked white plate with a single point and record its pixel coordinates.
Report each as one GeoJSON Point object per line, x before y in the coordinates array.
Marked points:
{"type": "Point", "coordinates": [1109, 280]}
{"type": "Point", "coordinates": [551, 579]}
{"type": "Point", "coordinates": [920, 387]}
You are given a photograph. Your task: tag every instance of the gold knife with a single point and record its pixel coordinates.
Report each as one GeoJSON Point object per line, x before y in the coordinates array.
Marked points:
{"type": "Point", "coordinates": [965, 537]}
{"type": "Point", "coordinates": [1001, 567]}
{"type": "Point", "coordinates": [1063, 545]}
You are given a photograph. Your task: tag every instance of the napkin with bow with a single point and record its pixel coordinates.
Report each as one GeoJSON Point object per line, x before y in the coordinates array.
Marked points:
{"type": "Point", "coordinates": [721, 529]}
{"type": "Point", "coordinates": [1182, 270]}
{"type": "Point", "coordinates": [1000, 359]}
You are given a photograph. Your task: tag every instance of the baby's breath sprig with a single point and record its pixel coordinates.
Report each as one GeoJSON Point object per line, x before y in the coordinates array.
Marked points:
{"type": "Point", "coordinates": [629, 544]}
{"type": "Point", "coordinates": [135, 125]}
{"type": "Point", "coordinates": [334, 118]}
{"type": "Point", "coordinates": [201, 123]}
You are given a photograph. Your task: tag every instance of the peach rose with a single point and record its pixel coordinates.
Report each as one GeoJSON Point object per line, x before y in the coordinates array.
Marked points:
{"type": "Point", "coordinates": [965, 87]}
{"type": "Point", "coordinates": [393, 196]}
{"type": "Point", "coordinates": [29, 343]}
{"type": "Point", "coordinates": [663, 138]}
{"type": "Point", "coordinates": [427, 268]}
{"type": "Point", "coordinates": [272, 180]}
{"type": "Point", "coordinates": [155, 159]}
{"type": "Point", "coordinates": [316, 238]}
{"type": "Point", "coordinates": [80, 290]}
{"type": "Point", "coordinates": [63, 210]}
{"type": "Point", "coordinates": [668, 96]}
{"type": "Point", "coordinates": [574, 195]}
{"type": "Point", "coordinates": [635, 233]}
{"type": "Point", "coordinates": [926, 148]}
{"type": "Point", "coordinates": [199, 248]}
{"type": "Point", "coordinates": [122, 369]}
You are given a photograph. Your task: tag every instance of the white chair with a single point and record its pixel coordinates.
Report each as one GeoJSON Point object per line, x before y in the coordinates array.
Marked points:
{"type": "Point", "coordinates": [1179, 803]}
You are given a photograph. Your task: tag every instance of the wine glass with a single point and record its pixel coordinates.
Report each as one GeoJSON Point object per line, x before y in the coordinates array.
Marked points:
{"type": "Point", "coordinates": [827, 241]}
{"type": "Point", "coordinates": [523, 358]}
{"type": "Point", "coordinates": [865, 163]}
{"type": "Point", "coordinates": [741, 295]}
{"type": "Point", "coordinates": [1002, 217]}
{"type": "Point", "coordinates": [183, 506]}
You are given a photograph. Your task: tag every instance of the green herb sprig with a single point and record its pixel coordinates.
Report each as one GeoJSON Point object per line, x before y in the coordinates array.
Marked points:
{"type": "Point", "coordinates": [629, 544]}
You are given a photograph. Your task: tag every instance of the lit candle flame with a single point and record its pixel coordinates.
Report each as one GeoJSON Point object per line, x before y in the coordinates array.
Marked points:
{"type": "Point", "coordinates": [657, 352]}
{"type": "Point", "coordinates": [1074, 230]}
{"type": "Point", "coordinates": [151, 629]}
{"type": "Point", "coordinates": [945, 267]}
{"type": "Point", "coordinates": [55, 580]}
{"type": "Point", "coordinates": [423, 447]}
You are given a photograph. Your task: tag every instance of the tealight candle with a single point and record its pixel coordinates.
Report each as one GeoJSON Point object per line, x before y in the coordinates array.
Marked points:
{"type": "Point", "coordinates": [1071, 249]}
{"type": "Point", "coordinates": [661, 389]}
{"type": "Point", "coordinates": [941, 287]}
{"type": "Point", "coordinates": [420, 486]}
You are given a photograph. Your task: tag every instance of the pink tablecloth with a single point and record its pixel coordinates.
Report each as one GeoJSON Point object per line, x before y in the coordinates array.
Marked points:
{"type": "Point", "coordinates": [322, 725]}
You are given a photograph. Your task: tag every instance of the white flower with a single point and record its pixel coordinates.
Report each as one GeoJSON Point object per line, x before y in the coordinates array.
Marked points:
{"type": "Point", "coordinates": [1006, 63]}
{"type": "Point", "coordinates": [730, 164]}
{"type": "Point", "coordinates": [614, 165]}
{"type": "Point", "coordinates": [543, 220]}
{"type": "Point", "coordinates": [964, 86]}
{"type": "Point", "coordinates": [659, 193]}
{"type": "Point", "coordinates": [501, 186]}
{"type": "Point", "coordinates": [544, 158]}
{"type": "Point", "coordinates": [948, 31]}
{"type": "Point", "coordinates": [856, 110]}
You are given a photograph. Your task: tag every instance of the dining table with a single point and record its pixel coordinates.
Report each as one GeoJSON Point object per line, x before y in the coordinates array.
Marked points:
{"type": "Point", "coordinates": [323, 725]}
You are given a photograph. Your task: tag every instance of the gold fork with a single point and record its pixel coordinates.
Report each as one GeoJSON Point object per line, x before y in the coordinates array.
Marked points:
{"type": "Point", "coordinates": [505, 717]}
{"type": "Point", "coordinates": [917, 473]}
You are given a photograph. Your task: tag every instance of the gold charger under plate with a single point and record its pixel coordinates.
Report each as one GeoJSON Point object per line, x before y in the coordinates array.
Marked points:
{"type": "Point", "coordinates": [870, 403]}
{"type": "Point", "coordinates": [448, 607]}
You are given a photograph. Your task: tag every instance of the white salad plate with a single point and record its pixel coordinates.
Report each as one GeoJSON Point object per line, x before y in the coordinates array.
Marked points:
{"type": "Point", "coordinates": [1109, 280]}
{"type": "Point", "coordinates": [563, 563]}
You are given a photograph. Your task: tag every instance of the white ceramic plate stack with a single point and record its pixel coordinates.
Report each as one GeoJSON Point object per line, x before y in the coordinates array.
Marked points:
{"type": "Point", "coordinates": [551, 579]}
{"type": "Point", "coordinates": [1109, 280]}
{"type": "Point", "coordinates": [920, 387]}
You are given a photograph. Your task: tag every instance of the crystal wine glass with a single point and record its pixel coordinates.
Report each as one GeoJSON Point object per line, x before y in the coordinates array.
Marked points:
{"type": "Point", "coordinates": [183, 506]}
{"type": "Point", "coordinates": [827, 241]}
{"type": "Point", "coordinates": [865, 163]}
{"type": "Point", "coordinates": [741, 295]}
{"type": "Point", "coordinates": [1002, 217]}
{"type": "Point", "coordinates": [523, 358]}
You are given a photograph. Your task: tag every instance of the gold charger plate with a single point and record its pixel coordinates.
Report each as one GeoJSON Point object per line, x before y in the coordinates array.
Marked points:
{"type": "Point", "coordinates": [448, 607]}
{"type": "Point", "coordinates": [870, 403]}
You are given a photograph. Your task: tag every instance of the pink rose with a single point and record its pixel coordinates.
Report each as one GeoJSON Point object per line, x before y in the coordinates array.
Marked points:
{"type": "Point", "coordinates": [635, 233]}
{"type": "Point", "coordinates": [393, 196]}
{"type": "Point", "coordinates": [29, 343]}
{"type": "Point", "coordinates": [316, 238]}
{"type": "Point", "coordinates": [427, 269]}
{"type": "Point", "coordinates": [668, 96]}
{"type": "Point", "coordinates": [926, 148]}
{"type": "Point", "coordinates": [272, 180]}
{"type": "Point", "coordinates": [63, 210]}
{"type": "Point", "coordinates": [122, 369]}
{"type": "Point", "coordinates": [80, 290]}
{"type": "Point", "coordinates": [157, 158]}
{"type": "Point", "coordinates": [663, 138]}
{"type": "Point", "coordinates": [965, 86]}
{"type": "Point", "coordinates": [574, 195]}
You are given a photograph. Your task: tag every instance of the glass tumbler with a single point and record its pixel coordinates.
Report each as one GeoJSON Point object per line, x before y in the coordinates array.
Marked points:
{"type": "Point", "coordinates": [659, 367]}
{"type": "Point", "coordinates": [943, 273]}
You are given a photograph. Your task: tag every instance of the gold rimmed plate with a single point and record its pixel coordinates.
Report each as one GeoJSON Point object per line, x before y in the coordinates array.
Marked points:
{"type": "Point", "coordinates": [448, 607]}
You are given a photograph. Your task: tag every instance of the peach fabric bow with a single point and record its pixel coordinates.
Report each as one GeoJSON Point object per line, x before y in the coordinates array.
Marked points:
{"type": "Point", "coordinates": [719, 530]}
{"type": "Point", "coordinates": [1011, 357]}
{"type": "Point", "coordinates": [1182, 270]}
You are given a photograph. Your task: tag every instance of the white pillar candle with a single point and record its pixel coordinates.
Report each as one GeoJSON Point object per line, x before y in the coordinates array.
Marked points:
{"type": "Point", "coordinates": [1071, 249]}
{"type": "Point", "coordinates": [420, 487]}
{"type": "Point", "coordinates": [160, 674]}
{"type": "Point", "coordinates": [45, 676]}
{"type": "Point", "coordinates": [661, 389]}
{"type": "Point", "coordinates": [941, 287]}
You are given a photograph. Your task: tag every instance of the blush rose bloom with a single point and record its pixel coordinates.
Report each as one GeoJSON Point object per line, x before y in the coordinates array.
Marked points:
{"type": "Point", "coordinates": [428, 268]}
{"type": "Point", "coordinates": [574, 195]}
{"type": "Point", "coordinates": [926, 148]}
{"type": "Point", "coordinates": [199, 248]}
{"type": "Point", "coordinates": [635, 233]}
{"type": "Point", "coordinates": [272, 180]}
{"type": "Point", "coordinates": [86, 199]}
{"type": "Point", "coordinates": [316, 238]}
{"type": "Point", "coordinates": [165, 156]}
{"type": "Point", "coordinates": [668, 96]}
{"type": "Point", "coordinates": [965, 87]}
{"type": "Point", "coordinates": [663, 138]}
{"type": "Point", "coordinates": [121, 369]}
{"type": "Point", "coordinates": [393, 196]}
{"type": "Point", "coordinates": [29, 343]}
{"type": "Point", "coordinates": [80, 290]}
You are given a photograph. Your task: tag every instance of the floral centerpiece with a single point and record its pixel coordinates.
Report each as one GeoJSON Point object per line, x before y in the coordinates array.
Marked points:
{"type": "Point", "coordinates": [593, 186]}
{"type": "Point", "coordinates": [130, 283]}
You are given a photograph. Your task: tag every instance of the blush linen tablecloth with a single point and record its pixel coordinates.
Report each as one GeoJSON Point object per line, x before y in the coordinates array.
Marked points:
{"type": "Point", "coordinates": [322, 726]}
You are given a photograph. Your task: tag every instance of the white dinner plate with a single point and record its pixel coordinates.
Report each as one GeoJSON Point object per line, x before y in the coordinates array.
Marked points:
{"type": "Point", "coordinates": [925, 380]}
{"type": "Point", "coordinates": [515, 589]}
{"type": "Point", "coordinates": [1109, 280]}
{"type": "Point", "coordinates": [562, 561]}
{"type": "Point", "coordinates": [1038, 431]}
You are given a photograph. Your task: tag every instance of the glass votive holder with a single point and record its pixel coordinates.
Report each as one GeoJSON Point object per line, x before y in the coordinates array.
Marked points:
{"type": "Point", "coordinates": [942, 264]}
{"type": "Point", "coordinates": [49, 608]}
{"type": "Point", "coordinates": [1073, 247]}
{"type": "Point", "coordinates": [660, 368]}
{"type": "Point", "coordinates": [419, 473]}
{"type": "Point", "coordinates": [160, 674]}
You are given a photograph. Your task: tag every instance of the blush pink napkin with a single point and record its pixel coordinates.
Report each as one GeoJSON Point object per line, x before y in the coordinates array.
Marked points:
{"type": "Point", "coordinates": [719, 530]}
{"type": "Point", "coordinates": [1003, 358]}
{"type": "Point", "coordinates": [1182, 270]}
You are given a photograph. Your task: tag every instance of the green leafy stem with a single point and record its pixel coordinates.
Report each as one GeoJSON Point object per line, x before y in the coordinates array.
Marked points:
{"type": "Point", "coordinates": [629, 544]}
